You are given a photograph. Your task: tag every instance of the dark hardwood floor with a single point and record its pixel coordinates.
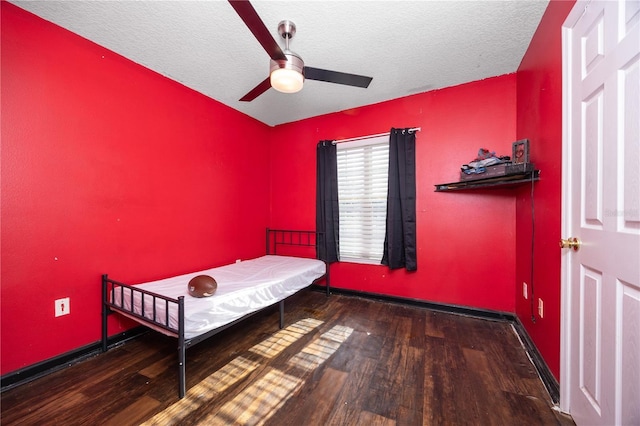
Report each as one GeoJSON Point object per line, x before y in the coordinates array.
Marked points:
{"type": "Point", "coordinates": [339, 361]}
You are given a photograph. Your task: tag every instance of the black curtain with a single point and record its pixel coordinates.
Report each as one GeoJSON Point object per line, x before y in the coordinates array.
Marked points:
{"type": "Point", "coordinates": [327, 200]}
{"type": "Point", "coordinates": [400, 234]}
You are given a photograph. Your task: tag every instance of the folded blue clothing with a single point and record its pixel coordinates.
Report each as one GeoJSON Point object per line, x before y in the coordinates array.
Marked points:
{"type": "Point", "coordinates": [486, 162]}
{"type": "Point", "coordinates": [474, 171]}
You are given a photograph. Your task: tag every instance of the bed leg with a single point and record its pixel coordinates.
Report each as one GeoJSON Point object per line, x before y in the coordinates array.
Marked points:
{"type": "Point", "coordinates": [281, 305]}
{"type": "Point", "coordinates": [105, 313]}
{"type": "Point", "coordinates": [182, 390]}
{"type": "Point", "coordinates": [182, 349]}
{"type": "Point", "coordinates": [328, 279]}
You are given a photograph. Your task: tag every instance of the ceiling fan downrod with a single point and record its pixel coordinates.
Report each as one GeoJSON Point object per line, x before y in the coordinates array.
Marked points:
{"type": "Point", "coordinates": [287, 30]}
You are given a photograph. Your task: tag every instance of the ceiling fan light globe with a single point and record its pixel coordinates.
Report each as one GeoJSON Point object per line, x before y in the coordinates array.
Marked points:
{"type": "Point", "coordinates": [287, 76]}
{"type": "Point", "coordinates": [287, 80]}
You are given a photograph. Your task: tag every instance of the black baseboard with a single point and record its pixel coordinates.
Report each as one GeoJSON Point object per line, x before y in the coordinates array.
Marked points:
{"type": "Point", "coordinates": [442, 307]}
{"type": "Point", "coordinates": [65, 360]}
{"type": "Point", "coordinates": [548, 379]}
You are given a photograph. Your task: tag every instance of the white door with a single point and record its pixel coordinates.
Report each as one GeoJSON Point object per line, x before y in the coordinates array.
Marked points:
{"type": "Point", "coordinates": [600, 377]}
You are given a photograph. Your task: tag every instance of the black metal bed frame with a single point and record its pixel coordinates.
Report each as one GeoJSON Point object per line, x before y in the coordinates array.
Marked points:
{"type": "Point", "coordinates": [274, 239]}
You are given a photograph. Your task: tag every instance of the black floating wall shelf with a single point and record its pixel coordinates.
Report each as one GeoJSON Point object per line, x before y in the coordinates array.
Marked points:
{"type": "Point", "coordinates": [490, 182]}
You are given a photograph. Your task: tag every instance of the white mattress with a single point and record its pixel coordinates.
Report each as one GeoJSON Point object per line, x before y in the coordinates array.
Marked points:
{"type": "Point", "coordinates": [243, 288]}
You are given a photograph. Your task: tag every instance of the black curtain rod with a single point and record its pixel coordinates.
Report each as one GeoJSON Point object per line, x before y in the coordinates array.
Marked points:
{"type": "Point", "coordinates": [413, 129]}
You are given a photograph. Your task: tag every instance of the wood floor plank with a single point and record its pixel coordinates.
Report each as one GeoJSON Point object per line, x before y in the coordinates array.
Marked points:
{"type": "Point", "coordinates": [489, 400]}
{"type": "Point", "coordinates": [367, 418]}
{"type": "Point", "coordinates": [367, 344]}
{"type": "Point", "coordinates": [468, 400]}
{"type": "Point", "coordinates": [383, 400]}
{"type": "Point", "coordinates": [401, 326]}
{"type": "Point", "coordinates": [389, 377]}
{"type": "Point", "coordinates": [344, 359]}
{"type": "Point", "coordinates": [352, 398]}
{"type": "Point", "coordinates": [134, 413]}
{"type": "Point", "coordinates": [439, 386]}
{"type": "Point", "coordinates": [314, 406]}
{"type": "Point", "coordinates": [359, 361]}
{"type": "Point", "coordinates": [158, 367]}
{"type": "Point", "coordinates": [408, 417]}
{"type": "Point", "coordinates": [31, 410]}
{"type": "Point", "coordinates": [515, 370]}
{"type": "Point", "coordinates": [418, 330]}
{"type": "Point", "coordinates": [433, 326]}
{"type": "Point", "coordinates": [412, 396]}
{"type": "Point", "coordinates": [527, 409]}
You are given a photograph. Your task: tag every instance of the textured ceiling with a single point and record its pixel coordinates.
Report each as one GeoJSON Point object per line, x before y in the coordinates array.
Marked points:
{"type": "Point", "coordinates": [406, 46]}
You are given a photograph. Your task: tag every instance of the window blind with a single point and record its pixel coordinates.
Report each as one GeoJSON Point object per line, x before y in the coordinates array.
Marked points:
{"type": "Point", "coordinates": [362, 196]}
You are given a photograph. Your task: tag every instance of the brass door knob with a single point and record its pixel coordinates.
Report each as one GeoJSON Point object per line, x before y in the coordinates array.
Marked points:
{"type": "Point", "coordinates": [572, 243]}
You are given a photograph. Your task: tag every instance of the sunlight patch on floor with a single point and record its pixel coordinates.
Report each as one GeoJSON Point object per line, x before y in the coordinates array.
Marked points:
{"type": "Point", "coordinates": [234, 371]}
{"type": "Point", "coordinates": [281, 340]}
{"type": "Point", "coordinates": [258, 402]}
{"type": "Point", "coordinates": [320, 349]}
{"type": "Point", "coordinates": [261, 400]}
{"type": "Point", "coordinates": [204, 391]}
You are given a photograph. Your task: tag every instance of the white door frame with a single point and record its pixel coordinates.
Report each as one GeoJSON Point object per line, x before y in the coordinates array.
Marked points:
{"type": "Point", "coordinates": [566, 213]}
{"type": "Point", "coordinates": [625, 397]}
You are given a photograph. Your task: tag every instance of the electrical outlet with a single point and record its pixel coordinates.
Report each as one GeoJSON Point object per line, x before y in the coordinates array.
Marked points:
{"type": "Point", "coordinates": [525, 290]}
{"type": "Point", "coordinates": [62, 307]}
{"type": "Point", "coordinates": [540, 308]}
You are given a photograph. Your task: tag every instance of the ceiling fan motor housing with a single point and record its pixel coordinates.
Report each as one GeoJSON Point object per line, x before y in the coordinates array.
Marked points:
{"type": "Point", "coordinates": [293, 62]}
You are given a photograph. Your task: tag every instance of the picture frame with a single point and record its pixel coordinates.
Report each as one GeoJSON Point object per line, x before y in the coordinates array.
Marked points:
{"type": "Point", "coordinates": [520, 151]}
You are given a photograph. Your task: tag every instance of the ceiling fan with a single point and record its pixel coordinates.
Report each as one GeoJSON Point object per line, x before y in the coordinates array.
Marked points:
{"type": "Point", "coordinates": [287, 69]}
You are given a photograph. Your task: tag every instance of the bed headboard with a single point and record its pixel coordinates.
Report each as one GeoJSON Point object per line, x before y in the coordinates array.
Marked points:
{"type": "Point", "coordinates": [288, 237]}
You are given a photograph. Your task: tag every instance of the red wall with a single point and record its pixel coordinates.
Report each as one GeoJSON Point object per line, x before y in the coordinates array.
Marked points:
{"type": "Point", "coordinates": [540, 120]}
{"type": "Point", "coordinates": [108, 167]}
{"type": "Point", "coordinates": [466, 241]}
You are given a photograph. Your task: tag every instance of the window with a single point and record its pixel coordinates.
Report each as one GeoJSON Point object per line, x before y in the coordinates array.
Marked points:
{"type": "Point", "coordinates": [362, 197]}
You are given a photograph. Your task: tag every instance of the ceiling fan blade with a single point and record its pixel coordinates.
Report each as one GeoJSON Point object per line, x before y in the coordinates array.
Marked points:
{"type": "Point", "coordinates": [257, 91]}
{"type": "Point", "coordinates": [248, 14]}
{"type": "Point", "coordinates": [337, 77]}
